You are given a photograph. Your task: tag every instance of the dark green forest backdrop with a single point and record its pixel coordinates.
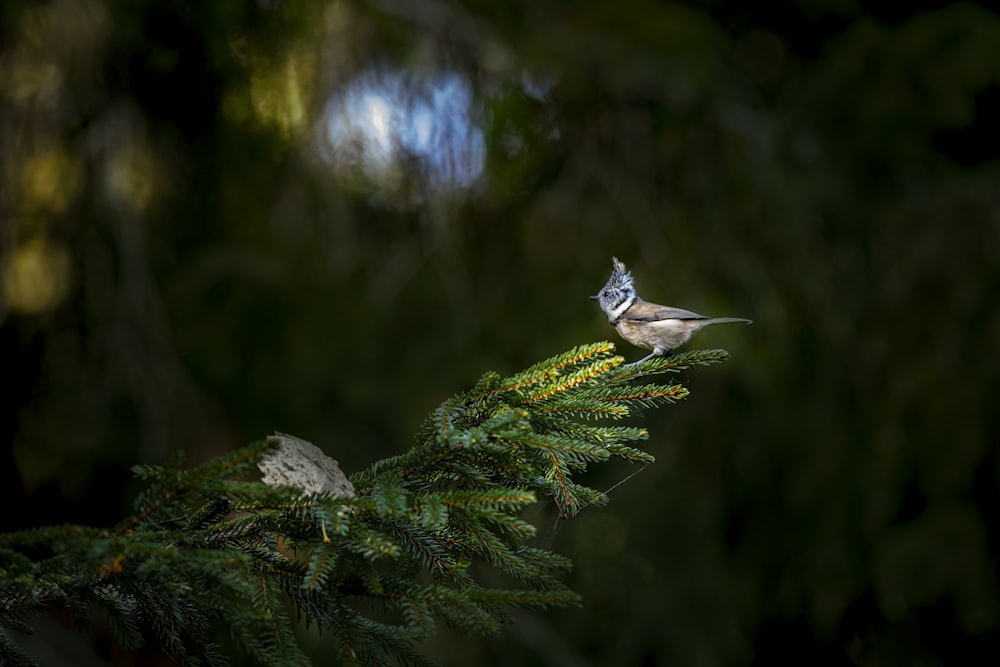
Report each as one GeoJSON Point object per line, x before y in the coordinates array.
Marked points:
{"type": "Point", "coordinates": [222, 219]}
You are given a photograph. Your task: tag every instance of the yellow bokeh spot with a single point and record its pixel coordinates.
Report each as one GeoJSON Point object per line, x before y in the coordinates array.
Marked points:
{"type": "Point", "coordinates": [51, 180]}
{"type": "Point", "coordinates": [36, 277]}
{"type": "Point", "coordinates": [276, 96]}
{"type": "Point", "coordinates": [28, 81]}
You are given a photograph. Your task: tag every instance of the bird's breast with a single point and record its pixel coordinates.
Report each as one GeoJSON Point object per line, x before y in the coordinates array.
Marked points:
{"type": "Point", "coordinates": [660, 333]}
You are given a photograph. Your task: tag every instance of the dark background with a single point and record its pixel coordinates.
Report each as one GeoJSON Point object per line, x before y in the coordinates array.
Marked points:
{"type": "Point", "coordinates": [190, 260]}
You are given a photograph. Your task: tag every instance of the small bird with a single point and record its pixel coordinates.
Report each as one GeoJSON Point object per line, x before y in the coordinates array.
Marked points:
{"type": "Point", "coordinates": [649, 325]}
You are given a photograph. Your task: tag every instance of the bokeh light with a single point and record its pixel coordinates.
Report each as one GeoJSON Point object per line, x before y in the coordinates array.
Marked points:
{"type": "Point", "coordinates": [385, 118]}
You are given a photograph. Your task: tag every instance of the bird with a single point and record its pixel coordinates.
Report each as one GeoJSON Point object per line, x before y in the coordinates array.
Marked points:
{"type": "Point", "coordinates": [649, 325]}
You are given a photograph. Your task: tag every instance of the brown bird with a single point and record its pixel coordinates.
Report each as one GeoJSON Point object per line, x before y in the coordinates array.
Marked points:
{"type": "Point", "coordinates": [649, 325]}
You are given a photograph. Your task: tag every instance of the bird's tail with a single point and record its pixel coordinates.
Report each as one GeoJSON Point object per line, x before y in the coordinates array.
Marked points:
{"type": "Point", "coordinates": [726, 320]}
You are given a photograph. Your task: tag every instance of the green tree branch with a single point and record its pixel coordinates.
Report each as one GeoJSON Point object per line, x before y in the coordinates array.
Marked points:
{"type": "Point", "coordinates": [375, 567]}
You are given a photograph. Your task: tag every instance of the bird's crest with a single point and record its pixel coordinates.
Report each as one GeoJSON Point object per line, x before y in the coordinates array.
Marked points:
{"type": "Point", "coordinates": [618, 294]}
{"type": "Point", "coordinates": [620, 276]}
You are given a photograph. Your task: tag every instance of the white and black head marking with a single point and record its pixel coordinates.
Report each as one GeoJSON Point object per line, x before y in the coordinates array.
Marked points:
{"type": "Point", "coordinates": [618, 294]}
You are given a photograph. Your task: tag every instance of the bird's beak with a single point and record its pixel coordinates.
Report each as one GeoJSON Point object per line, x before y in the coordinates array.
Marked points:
{"type": "Point", "coordinates": [595, 298]}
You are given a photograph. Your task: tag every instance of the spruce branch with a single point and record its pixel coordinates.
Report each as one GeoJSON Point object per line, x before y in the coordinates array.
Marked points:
{"type": "Point", "coordinates": [374, 561]}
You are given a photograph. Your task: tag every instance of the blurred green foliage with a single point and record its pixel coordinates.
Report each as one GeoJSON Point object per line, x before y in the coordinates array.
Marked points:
{"type": "Point", "coordinates": [188, 260]}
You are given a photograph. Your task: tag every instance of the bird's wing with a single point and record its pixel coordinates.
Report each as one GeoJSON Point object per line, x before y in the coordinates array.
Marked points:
{"type": "Point", "coordinates": [644, 311]}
